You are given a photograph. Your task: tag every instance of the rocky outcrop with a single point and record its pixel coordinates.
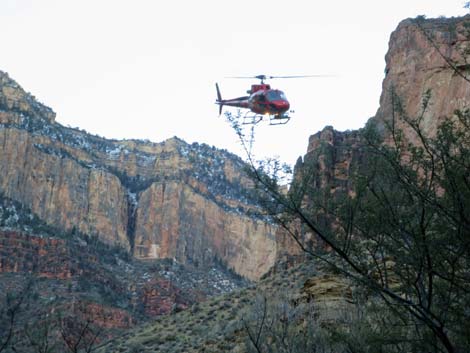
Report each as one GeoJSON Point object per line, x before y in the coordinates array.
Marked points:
{"type": "Point", "coordinates": [157, 200]}
{"type": "Point", "coordinates": [427, 55]}
{"type": "Point", "coordinates": [426, 58]}
{"type": "Point", "coordinates": [14, 99]}
{"type": "Point", "coordinates": [331, 295]}
{"type": "Point", "coordinates": [329, 165]}
{"type": "Point", "coordinates": [161, 297]}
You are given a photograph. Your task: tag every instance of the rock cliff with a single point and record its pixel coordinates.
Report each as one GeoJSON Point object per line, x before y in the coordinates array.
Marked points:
{"type": "Point", "coordinates": [427, 55]}
{"type": "Point", "coordinates": [157, 200]}
{"type": "Point", "coordinates": [426, 58]}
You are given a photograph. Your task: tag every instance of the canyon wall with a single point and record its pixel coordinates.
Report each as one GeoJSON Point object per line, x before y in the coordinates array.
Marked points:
{"type": "Point", "coordinates": [427, 56]}
{"type": "Point", "coordinates": [157, 200]}
{"type": "Point", "coordinates": [426, 60]}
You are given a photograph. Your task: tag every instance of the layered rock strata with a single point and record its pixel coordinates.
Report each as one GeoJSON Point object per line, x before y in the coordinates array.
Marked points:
{"type": "Point", "coordinates": [157, 200]}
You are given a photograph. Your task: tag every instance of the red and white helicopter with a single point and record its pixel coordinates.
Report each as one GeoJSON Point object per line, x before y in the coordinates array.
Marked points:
{"type": "Point", "coordinates": [262, 101]}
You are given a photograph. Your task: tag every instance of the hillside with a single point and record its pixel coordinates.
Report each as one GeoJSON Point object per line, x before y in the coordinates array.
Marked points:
{"type": "Point", "coordinates": [77, 277]}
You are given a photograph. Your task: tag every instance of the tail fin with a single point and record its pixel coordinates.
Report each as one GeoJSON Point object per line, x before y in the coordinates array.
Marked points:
{"type": "Point", "coordinates": [219, 99]}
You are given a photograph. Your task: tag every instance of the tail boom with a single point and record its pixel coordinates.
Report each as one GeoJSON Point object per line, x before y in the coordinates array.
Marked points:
{"type": "Point", "coordinates": [240, 102]}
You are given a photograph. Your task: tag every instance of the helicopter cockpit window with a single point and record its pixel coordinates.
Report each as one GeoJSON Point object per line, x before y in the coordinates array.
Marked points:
{"type": "Point", "coordinates": [276, 95]}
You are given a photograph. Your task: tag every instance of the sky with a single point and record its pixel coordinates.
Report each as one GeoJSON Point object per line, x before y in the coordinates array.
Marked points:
{"type": "Point", "coordinates": [146, 69]}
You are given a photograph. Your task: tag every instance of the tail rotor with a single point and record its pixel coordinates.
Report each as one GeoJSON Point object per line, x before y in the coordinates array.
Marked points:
{"type": "Point", "coordinates": [219, 99]}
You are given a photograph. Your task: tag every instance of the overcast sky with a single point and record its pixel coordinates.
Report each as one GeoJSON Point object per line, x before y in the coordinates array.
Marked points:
{"type": "Point", "coordinates": [146, 68]}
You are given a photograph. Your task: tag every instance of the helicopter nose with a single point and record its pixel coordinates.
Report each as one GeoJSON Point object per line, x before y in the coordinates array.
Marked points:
{"type": "Point", "coordinates": [282, 105]}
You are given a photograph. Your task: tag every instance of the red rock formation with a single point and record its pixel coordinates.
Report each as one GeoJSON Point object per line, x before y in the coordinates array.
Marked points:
{"type": "Point", "coordinates": [43, 256]}
{"type": "Point", "coordinates": [161, 297]}
{"type": "Point", "coordinates": [88, 279]}
{"type": "Point", "coordinates": [104, 316]}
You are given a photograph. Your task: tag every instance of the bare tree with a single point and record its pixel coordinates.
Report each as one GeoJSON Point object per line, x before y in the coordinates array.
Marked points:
{"type": "Point", "coordinates": [80, 335]}
{"type": "Point", "coordinates": [41, 336]}
{"type": "Point", "coordinates": [10, 310]}
{"type": "Point", "coordinates": [400, 229]}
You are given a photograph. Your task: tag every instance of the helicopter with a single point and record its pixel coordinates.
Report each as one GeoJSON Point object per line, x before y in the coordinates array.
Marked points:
{"type": "Point", "coordinates": [262, 101]}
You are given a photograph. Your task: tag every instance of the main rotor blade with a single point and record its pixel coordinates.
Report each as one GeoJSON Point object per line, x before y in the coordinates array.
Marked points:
{"type": "Point", "coordinates": [299, 76]}
{"type": "Point", "coordinates": [241, 77]}
{"type": "Point", "coordinates": [259, 77]}
{"type": "Point", "coordinates": [266, 77]}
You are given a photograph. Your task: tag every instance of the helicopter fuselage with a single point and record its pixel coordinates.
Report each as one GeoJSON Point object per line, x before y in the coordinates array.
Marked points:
{"type": "Point", "coordinates": [261, 100]}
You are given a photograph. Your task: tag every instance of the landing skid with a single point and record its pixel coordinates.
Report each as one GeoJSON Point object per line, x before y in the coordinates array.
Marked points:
{"type": "Point", "coordinates": [252, 119]}
{"type": "Point", "coordinates": [278, 119]}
